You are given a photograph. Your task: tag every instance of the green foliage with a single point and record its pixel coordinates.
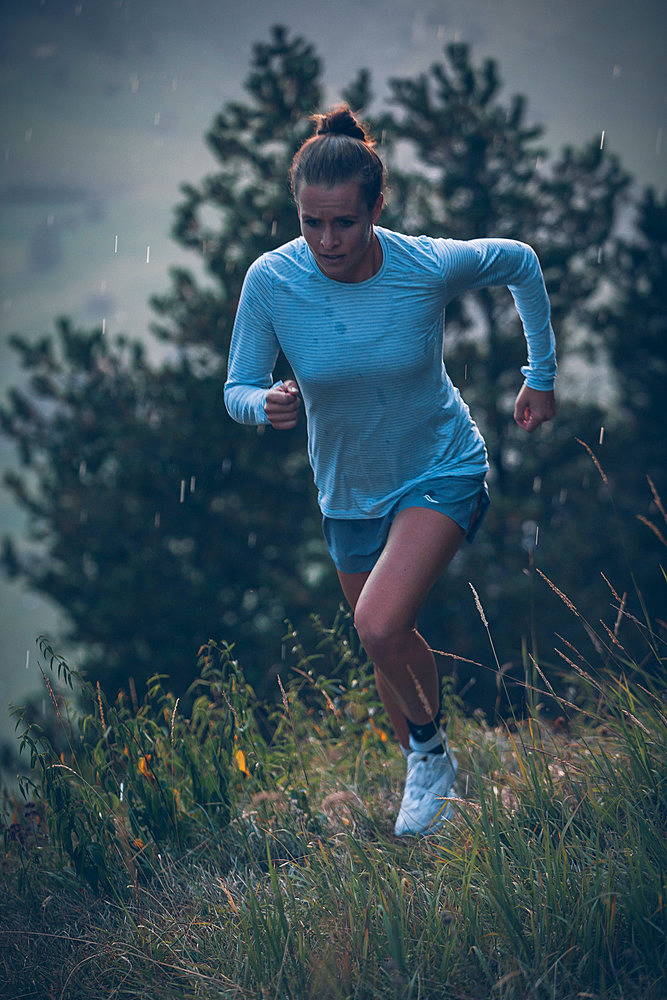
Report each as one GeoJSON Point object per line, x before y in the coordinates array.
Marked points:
{"type": "Point", "coordinates": [136, 779]}
{"type": "Point", "coordinates": [119, 782]}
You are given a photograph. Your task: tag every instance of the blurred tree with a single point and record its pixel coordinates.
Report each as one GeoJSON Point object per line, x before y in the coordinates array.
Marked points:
{"type": "Point", "coordinates": [633, 328]}
{"type": "Point", "coordinates": [157, 523]}
{"type": "Point", "coordinates": [631, 321]}
{"type": "Point", "coordinates": [479, 172]}
{"type": "Point", "coordinates": [479, 169]}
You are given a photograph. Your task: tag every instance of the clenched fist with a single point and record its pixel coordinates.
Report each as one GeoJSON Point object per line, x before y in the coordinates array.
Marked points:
{"type": "Point", "coordinates": [282, 405]}
{"type": "Point", "coordinates": [533, 407]}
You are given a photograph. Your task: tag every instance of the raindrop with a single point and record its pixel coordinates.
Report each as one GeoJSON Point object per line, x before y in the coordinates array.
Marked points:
{"type": "Point", "coordinates": [465, 373]}
{"type": "Point", "coordinates": [122, 789]}
{"type": "Point", "coordinates": [115, 244]}
{"type": "Point", "coordinates": [182, 490]}
{"type": "Point", "coordinates": [192, 484]}
{"type": "Point", "coordinates": [27, 659]}
{"type": "Point", "coordinates": [600, 249]}
{"type": "Point", "coordinates": [156, 119]}
{"type": "Point", "coordinates": [104, 325]}
{"type": "Point", "coordinates": [174, 83]}
{"type": "Point", "coordinates": [601, 435]}
{"type": "Point", "coordinates": [602, 139]}
{"type": "Point", "coordinates": [148, 254]}
{"type": "Point", "coordinates": [82, 468]}
{"type": "Point", "coordinates": [537, 535]}
{"type": "Point", "coordinates": [156, 519]}
{"type": "Point", "coordinates": [537, 484]}
{"type": "Point", "coordinates": [134, 81]}
{"type": "Point", "coordinates": [616, 71]}
{"type": "Point", "coordinates": [50, 219]}
{"type": "Point", "coordinates": [226, 465]}
{"type": "Point", "coordinates": [252, 540]}
{"type": "Point", "coordinates": [28, 134]}
{"type": "Point", "coordinates": [274, 227]}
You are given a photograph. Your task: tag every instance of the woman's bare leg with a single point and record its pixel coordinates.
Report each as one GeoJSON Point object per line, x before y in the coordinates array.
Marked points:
{"type": "Point", "coordinates": [352, 584]}
{"type": "Point", "coordinates": [421, 544]}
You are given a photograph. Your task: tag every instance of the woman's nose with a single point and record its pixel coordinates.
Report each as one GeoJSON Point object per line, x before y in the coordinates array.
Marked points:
{"type": "Point", "coordinates": [328, 238]}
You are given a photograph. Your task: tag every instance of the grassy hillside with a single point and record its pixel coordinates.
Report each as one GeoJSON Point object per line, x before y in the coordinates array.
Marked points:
{"type": "Point", "coordinates": [225, 849]}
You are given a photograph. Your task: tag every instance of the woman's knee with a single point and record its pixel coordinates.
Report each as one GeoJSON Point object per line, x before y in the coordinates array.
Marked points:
{"type": "Point", "coordinates": [379, 633]}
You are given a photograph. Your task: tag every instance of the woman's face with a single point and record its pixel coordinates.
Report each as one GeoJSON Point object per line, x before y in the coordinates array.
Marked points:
{"type": "Point", "coordinates": [338, 227]}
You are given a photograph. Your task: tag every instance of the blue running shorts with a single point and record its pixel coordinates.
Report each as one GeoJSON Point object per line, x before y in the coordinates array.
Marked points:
{"type": "Point", "coordinates": [355, 544]}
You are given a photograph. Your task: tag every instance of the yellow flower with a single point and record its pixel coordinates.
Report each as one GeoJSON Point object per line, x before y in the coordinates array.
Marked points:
{"type": "Point", "coordinates": [144, 768]}
{"type": "Point", "coordinates": [240, 761]}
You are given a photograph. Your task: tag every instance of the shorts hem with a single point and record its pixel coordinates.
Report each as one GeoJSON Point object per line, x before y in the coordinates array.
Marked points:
{"type": "Point", "coordinates": [343, 534]}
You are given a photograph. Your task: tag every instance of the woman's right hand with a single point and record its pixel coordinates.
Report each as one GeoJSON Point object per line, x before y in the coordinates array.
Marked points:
{"type": "Point", "coordinates": [282, 405]}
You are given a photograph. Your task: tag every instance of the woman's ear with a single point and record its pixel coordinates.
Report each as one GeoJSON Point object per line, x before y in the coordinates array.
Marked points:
{"type": "Point", "coordinates": [377, 208]}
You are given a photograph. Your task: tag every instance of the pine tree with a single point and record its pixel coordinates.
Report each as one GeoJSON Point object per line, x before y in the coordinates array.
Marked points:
{"type": "Point", "coordinates": [633, 329]}
{"type": "Point", "coordinates": [481, 172]}
{"type": "Point", "coordinates": [158, 522]}
{"type": "Point", "coordinates": [480, 169]}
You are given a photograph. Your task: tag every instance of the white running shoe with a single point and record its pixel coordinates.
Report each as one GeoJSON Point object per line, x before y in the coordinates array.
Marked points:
{"type": "Point", "coordinates": [428, 784]}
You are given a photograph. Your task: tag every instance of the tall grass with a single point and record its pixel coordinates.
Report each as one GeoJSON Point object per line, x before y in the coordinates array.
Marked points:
{"type": "Point", "coordinates": [240, 850]}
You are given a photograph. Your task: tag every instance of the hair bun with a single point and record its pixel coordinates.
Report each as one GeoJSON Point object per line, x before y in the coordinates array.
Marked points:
{"type": "Point", "coordinates": [340, 121]}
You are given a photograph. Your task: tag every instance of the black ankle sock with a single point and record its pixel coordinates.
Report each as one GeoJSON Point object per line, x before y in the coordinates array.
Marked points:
{"type": "Point", "coordinates": [423, 733]}
{"type": "Point", "coordinates": [426, 738]}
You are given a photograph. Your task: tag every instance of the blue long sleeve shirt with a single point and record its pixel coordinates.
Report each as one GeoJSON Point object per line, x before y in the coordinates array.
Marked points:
{"type": "Point", "coordinates": [382, 412]}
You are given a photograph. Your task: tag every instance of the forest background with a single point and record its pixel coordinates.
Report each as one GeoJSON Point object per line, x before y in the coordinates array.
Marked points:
{"type": "Point", "coordinates": [157, 524]}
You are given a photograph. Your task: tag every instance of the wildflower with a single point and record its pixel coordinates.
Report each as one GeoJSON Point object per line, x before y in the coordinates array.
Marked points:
{"type": "Point", "coordinates": [144, 767]}
{"type": "Point", "coordinates": [241, 764]}
{"type": "Point", "coordinates": [378, 732]}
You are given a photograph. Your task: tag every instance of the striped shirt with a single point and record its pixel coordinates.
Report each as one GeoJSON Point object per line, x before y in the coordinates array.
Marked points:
{"type": "Point", "coordinates": [382, 412]}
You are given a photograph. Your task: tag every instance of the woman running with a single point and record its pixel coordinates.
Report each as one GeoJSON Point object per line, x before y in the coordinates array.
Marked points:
{"type": "Point", "coordinates": [399, 464]}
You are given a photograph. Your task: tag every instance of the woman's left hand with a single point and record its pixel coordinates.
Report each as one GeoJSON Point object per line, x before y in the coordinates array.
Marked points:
{"type": "Point", "coordinates": [533, 407]}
